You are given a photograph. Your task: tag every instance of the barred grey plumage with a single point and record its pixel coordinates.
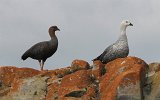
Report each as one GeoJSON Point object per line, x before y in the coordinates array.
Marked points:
{"type": "Point", "coordinates": [119, 49]}
{"type": "Point", "coordinates": [43, 50]}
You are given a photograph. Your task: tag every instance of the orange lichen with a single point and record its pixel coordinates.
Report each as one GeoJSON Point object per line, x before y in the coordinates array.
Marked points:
{"type": "Point", "coordinates": [74, 82]}
{"type": "Point", "coordinates": [81, 64]}
{"type": "Point", "coordinates": [8, 73]}
{"type": "Point", "coordinates": [99, 69]}
{"type": "Point", "coordinates": [52, 91]}
{"type": "Point", "coordinates": [117, 71]}
{"type": "Point", "coordinates": [79, 77]}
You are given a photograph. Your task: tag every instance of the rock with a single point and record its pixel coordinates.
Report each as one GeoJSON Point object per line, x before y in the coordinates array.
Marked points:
{"type": "Point", "coordinates": [125, 78]}
{"type": "Point", "coordinates": [91, 93]}
{"type": "Point", "coordinates": [9, 73]}
{"type": "Point", "coordinates": [121, 79]}
{"type": "Point", "coordinates": [154, 67]}
{"type": "Point", "coordinates": [98, 69]}
{"type": "Point", "coordinates": [75, 66]}
{"type": "Point", "coordinates": [80, 64]}
{"type": "Point", "coordinates": [34, 88]}
{"type": "Point", "coordinates": [53, 90]}
{"type": "Point", "coordinates": [74, 85]}
{"type": "Point", "coordinates": [153, 87]}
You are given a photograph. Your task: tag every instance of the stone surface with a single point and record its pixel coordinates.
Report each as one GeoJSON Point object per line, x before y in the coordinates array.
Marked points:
{"type": "Point", "coordinates": [153, 88]}
{"type": "Point", "coordinates": [74, 84]}
{"type": "Point", "coordinates": [154, 67]}
{"type": "Point", "coordinates": [33, 88]}
{"type": "Point", "coordinates": [127, 78]}
{"type": "Point", "coordinates": [80, 64]}
{"type": "Point", "coordinates": [9, 73]}
{"type": "Point", "coordinates": [98, 69]}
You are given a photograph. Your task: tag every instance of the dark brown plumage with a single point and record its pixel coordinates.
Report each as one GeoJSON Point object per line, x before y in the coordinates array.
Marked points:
{"type": "Point", "coordinates": [43, 50]}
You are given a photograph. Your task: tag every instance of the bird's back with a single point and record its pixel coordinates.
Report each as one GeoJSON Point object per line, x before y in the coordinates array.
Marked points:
{"type": "Point", "coordinates": [117, 50]}
{"type": "Point", "coordinates": [41, 50]}
{"type": "Point", "coordinates": [120, 48]}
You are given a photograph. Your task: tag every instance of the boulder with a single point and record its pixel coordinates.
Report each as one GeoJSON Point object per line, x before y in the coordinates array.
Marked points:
{"type": "Point", "coordinates": [121, 79]}
{"type": "Point", "coordinates": [124, 78]}
{"type": "Point", "coordinates": [33, 88]}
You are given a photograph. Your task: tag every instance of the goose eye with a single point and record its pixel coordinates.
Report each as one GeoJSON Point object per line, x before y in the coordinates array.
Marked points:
{"type": "Point", "coordinates": [126, 21]}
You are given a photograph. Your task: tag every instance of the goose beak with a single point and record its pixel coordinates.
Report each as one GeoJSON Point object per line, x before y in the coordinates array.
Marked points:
{"type": "Point", "coordinates": [58, 29]}
{"type": "Point", "coordinates": [130, 24]}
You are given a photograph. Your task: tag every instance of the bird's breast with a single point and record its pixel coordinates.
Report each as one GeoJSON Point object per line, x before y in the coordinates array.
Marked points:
{"type": "Point", "coordinates": [121, 48]}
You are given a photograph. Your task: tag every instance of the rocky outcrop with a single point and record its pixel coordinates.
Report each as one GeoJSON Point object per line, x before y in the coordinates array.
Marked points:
{"type": "Point", "coordinates": [33, 88]}
{"type": "Point", "coordinates": [124, 79]}
{"type": "Point", "coordinates": [127, 78]}
{"type": "Point", "coordinates": [153, 88]}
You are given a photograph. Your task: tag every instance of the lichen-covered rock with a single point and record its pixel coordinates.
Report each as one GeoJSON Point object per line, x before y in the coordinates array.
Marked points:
{"type": "Point", "coordinates": [52, 91]}
{"type": "Point", "coordinates": [80, 64]}
{"type": "Point", "coordinates": [75, 66]}
{"type": "Point", "coordinates": [98, 69]}
{"type": "Point", "coordinates": [9, 73]}
{"type": "Point", "coordinates": [121, 79]}
{"type": "Point", "coordinates": [34, 88]}
{"type": "Point", "coordinates": [154, 67]}
{"type": "Point", "coordinates": [91, 93]}
{"type": "Point", "coordinates": [125, 78]}
{"type": "Point", "coordinates": [153, 87]}
{"type": "Point", "coordinates": [74, 85]}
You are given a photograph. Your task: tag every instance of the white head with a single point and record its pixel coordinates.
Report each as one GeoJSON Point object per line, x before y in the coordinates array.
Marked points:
{"type": "Point", "coordinates": [124, 25]}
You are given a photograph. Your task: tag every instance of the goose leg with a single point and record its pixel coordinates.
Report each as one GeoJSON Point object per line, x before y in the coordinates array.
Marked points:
{"type": "Point", "coordinates": [42, 65]}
